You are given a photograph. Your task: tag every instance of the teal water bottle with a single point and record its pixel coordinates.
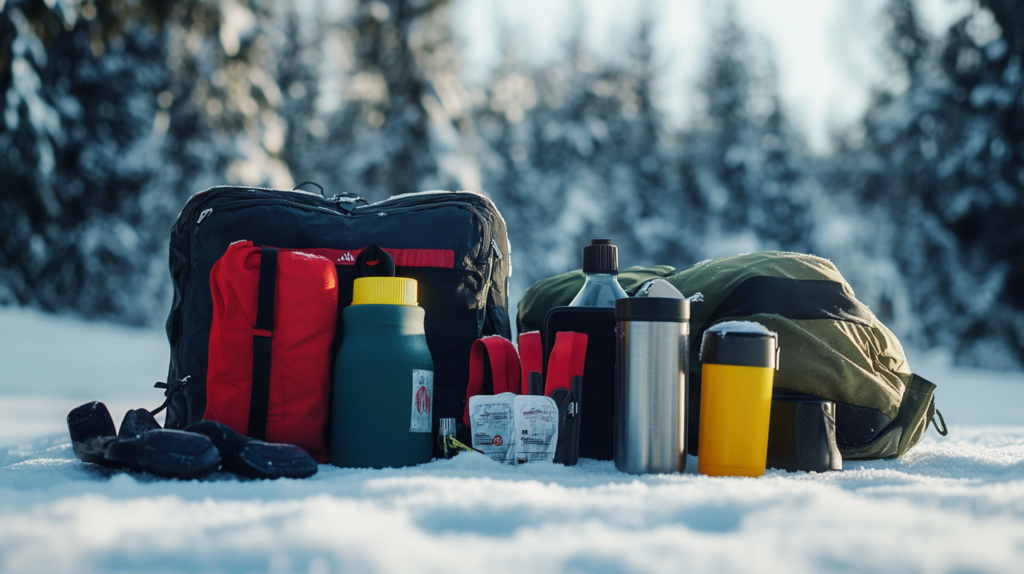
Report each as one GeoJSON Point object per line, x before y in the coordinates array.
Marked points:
{"type": "Point", "coordinates": [383, 379]}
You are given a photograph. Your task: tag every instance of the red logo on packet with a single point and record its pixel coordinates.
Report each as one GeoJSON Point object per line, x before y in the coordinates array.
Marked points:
{"type": "Point", "coordinates": [422, 401]}
{"type": "Point", "coordinates": [498, 441]}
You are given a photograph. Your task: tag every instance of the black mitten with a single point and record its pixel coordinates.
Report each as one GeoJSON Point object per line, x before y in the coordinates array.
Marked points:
{"type": "Point", "coordinates": [142, 445]}
{"type": "Point", "coordinates": [136, 422]}
{"type": "Point", "coordinates": [92, 430]}
{"type": "Point", "coordinates": [167, 453]}
{"type": "Point", "coordinates": [255, 458]}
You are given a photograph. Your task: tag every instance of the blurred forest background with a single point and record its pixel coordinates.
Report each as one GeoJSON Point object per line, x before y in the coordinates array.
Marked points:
{"type": "Point", "coordinates": [116, 111]}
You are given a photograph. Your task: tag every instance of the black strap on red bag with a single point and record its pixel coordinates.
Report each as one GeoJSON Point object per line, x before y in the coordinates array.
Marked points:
{"type": "Point", "coordinates": [262, 344]}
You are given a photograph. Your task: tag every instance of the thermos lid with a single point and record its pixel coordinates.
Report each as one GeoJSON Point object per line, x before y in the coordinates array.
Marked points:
{"type": "Point", "coordinates": [659, 288]}
{"type": "Point", "coordinates": [664, 309]}
{"type": "Point", "coordinates": [384, 291]}
{"type": "Point", "coordinates": [740, 343]}
{"type": "Point", "coordinates": [601, 257]}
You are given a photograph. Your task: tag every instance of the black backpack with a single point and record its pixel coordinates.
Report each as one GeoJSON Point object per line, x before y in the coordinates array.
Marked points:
{"type": "Point", "coordinates": [453, 243]}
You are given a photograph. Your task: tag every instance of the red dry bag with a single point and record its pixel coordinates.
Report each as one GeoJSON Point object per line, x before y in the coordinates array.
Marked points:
{"type": "Point", "coordinates": [274, 317]}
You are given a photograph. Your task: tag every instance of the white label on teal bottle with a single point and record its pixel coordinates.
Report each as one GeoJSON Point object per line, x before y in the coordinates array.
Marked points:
{"type": "Point", "coordinates": [422, 399]}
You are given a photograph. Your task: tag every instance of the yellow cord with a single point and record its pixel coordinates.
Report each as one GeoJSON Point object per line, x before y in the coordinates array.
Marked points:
{"type": "Point", "coordinates": [452, 442]}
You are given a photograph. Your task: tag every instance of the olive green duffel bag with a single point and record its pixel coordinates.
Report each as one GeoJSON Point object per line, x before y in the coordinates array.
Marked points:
{"type": "Point", "coordinates": [832, 346]}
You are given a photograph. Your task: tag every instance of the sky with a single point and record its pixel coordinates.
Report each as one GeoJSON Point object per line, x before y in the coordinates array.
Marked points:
{"type": "Point", "coordinates": [827, 51]}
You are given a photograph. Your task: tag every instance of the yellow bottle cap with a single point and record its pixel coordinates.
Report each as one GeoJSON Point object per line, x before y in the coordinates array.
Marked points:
{"type": "Point", "coordinates": [384, 291]}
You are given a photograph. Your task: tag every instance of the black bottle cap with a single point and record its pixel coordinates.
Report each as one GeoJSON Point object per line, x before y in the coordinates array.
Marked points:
{"type": "Point", "coordinates": [739, 348]}
{"type": "Point", "coordinates": [601, 257]}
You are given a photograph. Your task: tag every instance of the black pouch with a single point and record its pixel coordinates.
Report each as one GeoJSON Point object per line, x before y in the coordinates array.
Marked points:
{"type": "Point", "coordinates": [569, 418]}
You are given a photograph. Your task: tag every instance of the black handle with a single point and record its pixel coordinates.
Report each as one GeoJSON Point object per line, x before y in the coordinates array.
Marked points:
{"type": "Point", "coordinates": [375, 262]}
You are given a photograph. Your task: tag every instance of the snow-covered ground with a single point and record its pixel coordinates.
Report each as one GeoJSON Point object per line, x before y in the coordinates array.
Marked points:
{"type": "Point", "coordinates": [953, 504]}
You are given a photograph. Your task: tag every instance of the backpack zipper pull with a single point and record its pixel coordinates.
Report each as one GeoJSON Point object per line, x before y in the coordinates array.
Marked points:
{"type": "Point", "coordinates": [203, 215]}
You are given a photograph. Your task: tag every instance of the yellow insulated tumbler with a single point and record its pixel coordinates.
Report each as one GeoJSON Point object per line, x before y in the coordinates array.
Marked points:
{"type": "Point", "coordinates": [739, 362]}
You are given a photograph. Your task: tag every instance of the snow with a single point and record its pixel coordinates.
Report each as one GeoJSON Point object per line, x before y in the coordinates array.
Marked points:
{"type": "Point", "coordinates": [741, 327]}
{"type": "Point", "coordinates": [744, 327]}
{"type": "Point", "coordinates": [952, 504]}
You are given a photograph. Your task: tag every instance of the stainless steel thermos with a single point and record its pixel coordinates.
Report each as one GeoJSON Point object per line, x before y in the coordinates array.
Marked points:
{"type": "Point", "coordinates": [652, 335]}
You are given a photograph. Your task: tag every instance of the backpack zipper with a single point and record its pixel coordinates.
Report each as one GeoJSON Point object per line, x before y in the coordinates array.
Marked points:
{"type": "Point", "coordinates": [495, 253]}
{"type": "Point", "coordinates": [312, 201]}
{"type": "Point", "coordinates": [374, 209]}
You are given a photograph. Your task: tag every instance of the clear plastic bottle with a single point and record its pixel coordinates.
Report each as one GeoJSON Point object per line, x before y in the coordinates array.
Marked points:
{"type": "Point", "coordinates": [601, 266]}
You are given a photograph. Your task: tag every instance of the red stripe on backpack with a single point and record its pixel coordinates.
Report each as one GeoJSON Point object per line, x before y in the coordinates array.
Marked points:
{"type": "Point", "coordinates": [403, 257]}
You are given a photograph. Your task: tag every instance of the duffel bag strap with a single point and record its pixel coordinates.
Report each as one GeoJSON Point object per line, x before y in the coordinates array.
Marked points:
{"type": "Point", "coordinates": [262, 337]}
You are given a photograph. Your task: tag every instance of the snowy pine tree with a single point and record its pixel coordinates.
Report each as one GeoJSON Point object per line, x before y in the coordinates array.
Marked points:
{"type": "Point", "coordinates": [982, 172]}
{"type": "Point", "coordinates": [577, 150]}
{"type": "Point", "coordinates": [298, 75]}
{"type": "Point", "coordinates": [940, 161]}
{"type": "Point", "coordinates": [80, 98]}
{"type": "Point", "coordinates": [404, 123]}
{"type": "Point", "coordinates": [650, 212]}
{"type": "Point", "coordinates": [505, 131]}
{"type": "Point", "coordinates": [741, 155]}
{"type": "Point", "coordinates": [221, 123]}
{"type": "Point", "coordinates": [114, 113]}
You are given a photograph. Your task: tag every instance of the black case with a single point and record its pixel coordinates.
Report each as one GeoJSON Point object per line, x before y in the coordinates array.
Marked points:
{"type": "Point", "coordinates": [462, 303]}
{"type": "Point", "coordinates": [567, 450]}
{"type": "Point", "coordinates": [597, 407]}
{"type": "Point", "coordinates": [802, 433]}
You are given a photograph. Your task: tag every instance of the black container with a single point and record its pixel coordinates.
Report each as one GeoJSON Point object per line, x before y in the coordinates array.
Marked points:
{"type": "Point", "coordinates": [597, 406]}
{"type": "Point", "coordinates": [802, 434]}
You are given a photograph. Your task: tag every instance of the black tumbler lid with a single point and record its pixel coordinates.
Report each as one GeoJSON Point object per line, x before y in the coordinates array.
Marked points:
{"type": "Point", "coordinates": [653, 309]}
{"type": "Point", "coordinates": [745, 349]}
{"type": "Point", "coordinates": [601, 257]}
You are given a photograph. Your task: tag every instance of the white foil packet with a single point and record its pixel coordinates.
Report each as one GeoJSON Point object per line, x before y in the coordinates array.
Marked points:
{"type": "Point", "coordinates": [536, 422]}
{"type": "Point", "coordinates": [493, 424]}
